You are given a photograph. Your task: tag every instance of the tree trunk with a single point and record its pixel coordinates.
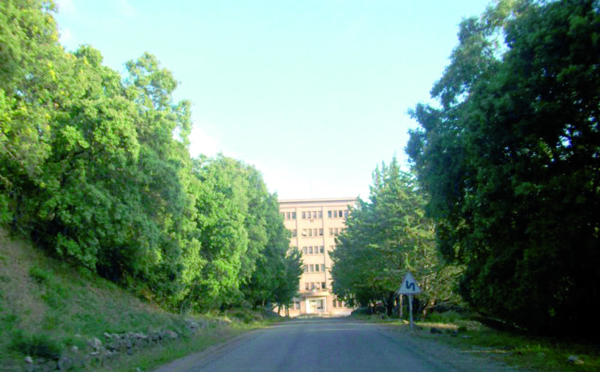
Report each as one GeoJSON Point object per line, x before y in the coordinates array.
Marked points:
{"type": "Point", "coordinates": [389, 304]}
{"type": "Point", "coordinates": [400, 306]}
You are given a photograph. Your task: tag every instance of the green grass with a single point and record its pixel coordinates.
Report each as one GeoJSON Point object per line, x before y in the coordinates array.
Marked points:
{"type": "Point", "coordinates": [515, 348]}
{"type": "Point", "coordinates": [46, 305]}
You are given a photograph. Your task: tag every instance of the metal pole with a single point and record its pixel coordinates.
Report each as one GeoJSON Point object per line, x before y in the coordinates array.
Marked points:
{"type": "Point", "coordinates": [410, 310]}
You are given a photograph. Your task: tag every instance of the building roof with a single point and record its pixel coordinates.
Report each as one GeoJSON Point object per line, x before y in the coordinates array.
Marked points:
{"type": "Point", "coordinates": [319, 201]}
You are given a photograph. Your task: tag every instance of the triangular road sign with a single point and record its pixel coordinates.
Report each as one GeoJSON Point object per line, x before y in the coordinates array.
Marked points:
{"type": "Point", "coordinates": [409, 285]}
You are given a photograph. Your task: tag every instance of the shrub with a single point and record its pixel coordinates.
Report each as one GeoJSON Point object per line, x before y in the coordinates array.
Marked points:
{"type": "Point", "coordinates": [40, 275]}
{"type": "Point", "coordinates": [38, 345]}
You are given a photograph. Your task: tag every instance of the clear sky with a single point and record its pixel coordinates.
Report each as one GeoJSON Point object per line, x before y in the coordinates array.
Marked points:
{"type": "Point", "coordinates": [314, 93]}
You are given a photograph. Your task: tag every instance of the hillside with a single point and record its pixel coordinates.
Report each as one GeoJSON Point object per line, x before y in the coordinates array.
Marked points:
{"type": "Point", "coordinates": [49, 310]}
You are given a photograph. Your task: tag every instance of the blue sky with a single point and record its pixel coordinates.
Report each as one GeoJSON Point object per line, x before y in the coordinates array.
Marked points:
{"type": "Point", "coordinates": [313, 93]}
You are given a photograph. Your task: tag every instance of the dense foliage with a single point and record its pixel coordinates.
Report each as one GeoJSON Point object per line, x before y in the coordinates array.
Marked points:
{"type": "Point", "coordinates": [386, 237]}
{"type": "Point", "coordinates": [511, 159]}
{"type": "Point", "coordinates": [95, 167]}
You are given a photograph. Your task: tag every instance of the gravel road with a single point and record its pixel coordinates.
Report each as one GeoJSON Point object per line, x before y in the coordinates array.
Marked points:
{"type": "Point", "coordinates": [336, 344]}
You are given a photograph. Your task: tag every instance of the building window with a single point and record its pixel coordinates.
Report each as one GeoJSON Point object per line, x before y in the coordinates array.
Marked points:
{"type": "Point", "coordinates": [329, 214]}
{"type": "Point", "coordinates": [294, 233]}
{"type": "Point", "coordinates": [306, 286]}
{"type": "Point", "coordinates": [314, 214]}
{"type": "Point", "coordinates": [321, 249]}
{"type": "Point", "coordinates": [317, 268]}
{"type": "Point", "coordinates": [297, 304]}
{"type": "Point", "coordinates": [323, 285]}
{"type": "Point", "coordinates": [304, 251]}
{"type": "Point", "coordinates": [303, 215]}
{"type": "Point", "coordinates": [305, 268]}
{"type": "Point", "coordinates": [303, 232]}
{"type": "Point", "coordinates": [336, 231]}
{"type": "Point", "coordinates": [310, 232]}
{"type": "Point", "coordinates": [293, 215]}
{"type": "Point", "coordinates": [310, 250]}
{"type": "Point", "coordinates": [330, 231]}
{"type": "Point", "coordinates": [345, 214]}
{"type": "Point", "coordinates": [322, 267]}
{"type": "Point", "coordinates": [311, 268]}
{"type": "Point", "coordinates": [320, 232]}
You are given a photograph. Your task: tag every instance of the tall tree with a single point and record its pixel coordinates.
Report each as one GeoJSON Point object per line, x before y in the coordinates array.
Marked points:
{"type": "Point", "coordinates": [384, 239]}
{"type": "Point", "coordinates": [278, 269]}
{"type": "Point", "coordinates": [510, 159]}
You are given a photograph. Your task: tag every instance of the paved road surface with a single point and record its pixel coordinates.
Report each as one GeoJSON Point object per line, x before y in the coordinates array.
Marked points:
{"type": "Point", "coordinates": [331, 345]}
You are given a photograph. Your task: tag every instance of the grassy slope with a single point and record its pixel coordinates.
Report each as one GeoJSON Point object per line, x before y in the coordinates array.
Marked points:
{"type": "Point", "coordinates": [44, 299]}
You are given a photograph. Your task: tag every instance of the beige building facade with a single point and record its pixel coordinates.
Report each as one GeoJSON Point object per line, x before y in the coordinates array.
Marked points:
{"type": "Point", "coordinates": [314, 224]}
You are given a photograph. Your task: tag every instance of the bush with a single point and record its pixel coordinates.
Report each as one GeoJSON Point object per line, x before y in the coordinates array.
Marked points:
{"type": "Point", "coordinates": [38, 345]}
{"type": "Point", "coordinates": [40, 275]}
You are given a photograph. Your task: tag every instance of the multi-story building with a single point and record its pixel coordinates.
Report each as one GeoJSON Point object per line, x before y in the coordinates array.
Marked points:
{"type": "Point", "coordinates": [315, 223]}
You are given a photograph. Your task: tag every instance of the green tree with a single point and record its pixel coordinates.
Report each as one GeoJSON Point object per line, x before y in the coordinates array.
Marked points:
{"type": "Point", "coordinates": [95, 166]}
{"type": "Point", "coordinates": [384, 239]}
{"type": "Point", "coordinates": [278, 269]}
{"type": "Point", "coordinates": [510, 159]}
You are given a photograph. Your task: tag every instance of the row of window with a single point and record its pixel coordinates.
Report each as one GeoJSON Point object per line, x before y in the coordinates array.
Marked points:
{"type": "Point", "coordinates": [316, 285]}
{"type": "Point", "coordinates": [314, 268]}
{"type": "Point", "coordinates": [338, 303]}
{"type": "Point", "coordinates": [333, 231]}
{"type": "Point", "coordinates": [310, 250]}
{"type": "Point", "coordinates": [312, 232]}
{"type": "Point", "coordinates": [337, 214]}
{"type": "Point", "coordinates": [313, 215]}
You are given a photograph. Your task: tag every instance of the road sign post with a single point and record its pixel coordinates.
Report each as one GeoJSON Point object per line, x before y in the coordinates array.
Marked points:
{"type": "Point", "coordinates": [409, 287]}
{"type": "Point", "coordinates": [410, 310]}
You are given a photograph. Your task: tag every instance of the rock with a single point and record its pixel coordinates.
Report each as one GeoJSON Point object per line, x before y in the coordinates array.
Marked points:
{"type": "Point", "coordinates": [95, 344]}
{"type": "Point", "coordinates": [64, 363]}
{"type": "Point", "coordinates": [436, 330]}
{"type": "Point", "coordinates": [107, 335]}
{"type": "Point", "coordinates": [74, 349]}
{"type": "Point", "coordinates": [171, 334]}
{"type": "Point", "coordinates": [28, 359]}
{"type": "Point", "coordinates": [574, 359]}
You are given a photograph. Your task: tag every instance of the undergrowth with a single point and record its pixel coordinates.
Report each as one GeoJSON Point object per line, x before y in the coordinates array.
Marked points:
{"type": "Point", "coordinates": [47, 306]}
